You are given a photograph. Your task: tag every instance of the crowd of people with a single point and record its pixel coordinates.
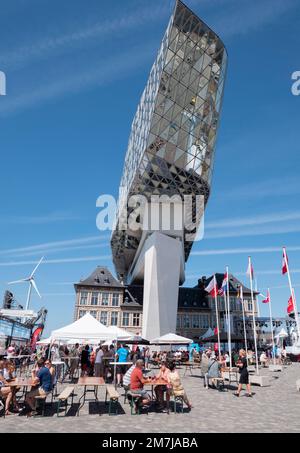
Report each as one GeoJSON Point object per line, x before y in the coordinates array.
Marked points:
{"type": "Point", "coordinates": [127, 366]}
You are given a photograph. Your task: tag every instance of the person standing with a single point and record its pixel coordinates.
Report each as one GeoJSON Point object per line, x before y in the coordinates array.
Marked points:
{"type": "Point", "coordinates": [122, 354]}
{"type": "Point", "coordinates": [204, 366]}
{"type": "Point", "coordinates": [244, 374]}
{"type": "Point", "coordinates": [99, 362]}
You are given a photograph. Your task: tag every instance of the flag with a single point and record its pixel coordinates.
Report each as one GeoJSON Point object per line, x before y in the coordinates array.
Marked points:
{"type": "Point", "coordinates": [212, 287]}
{"type": "Point", "coordinates": [223, 288]}
{"type": "Point", "coordinates": [216, 331]}
{"type": "Point", "coordinates": [240, 295]}
{"type": "Point", "coordinates": [35, 337]}
{"type": "Point", "coordinates": [284, 263]}
{"type": "Point", "coordinates": [250, 270]}
{"type": "Point", "coordinates": [290, 307]}
{"type": "Point", "coordinates": [267, 300]}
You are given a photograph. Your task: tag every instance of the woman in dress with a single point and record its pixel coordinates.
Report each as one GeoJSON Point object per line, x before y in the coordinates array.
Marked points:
{"type": "Point", "coordinates": [244, 374]}
{"type": "Point", "coordinates": [176, 385]}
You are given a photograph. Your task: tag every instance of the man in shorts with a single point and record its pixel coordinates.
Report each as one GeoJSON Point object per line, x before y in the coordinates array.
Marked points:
{"type": "Point", "coordinates": [137, 382]}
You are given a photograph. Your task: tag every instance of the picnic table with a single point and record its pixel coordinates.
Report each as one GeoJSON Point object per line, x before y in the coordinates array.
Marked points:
{"type": "Point", "coordinates": [86, 382]}
{"type": "Point", "coordinates": [189, 366]}
{"type": "Point", "coordinates": [153, 383]}
{"type": "Point", "coordinates": [22, 383]}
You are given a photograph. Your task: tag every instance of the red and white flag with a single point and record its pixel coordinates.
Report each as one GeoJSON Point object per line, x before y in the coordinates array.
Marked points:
{"type": "Point", "coordinates": [267, 300]}
{"type": "Point", "coordinates": [212, 287]}
{"type": "Point", "coordinates": [250, 270]}
{"type": "Point", "coordinates": [284, 262]}
{"type": "Point", "coordinates": [216, 331]}
{"type": "Point", "coordinates": [290, 307]}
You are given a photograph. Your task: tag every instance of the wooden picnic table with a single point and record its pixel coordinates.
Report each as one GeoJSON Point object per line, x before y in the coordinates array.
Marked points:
{"type": "Point", "coordinates": [153, 383]}
{"type": "Point", "coordinates": [86, 381]}
{"type": "Point", "coordinates": [21, 382]}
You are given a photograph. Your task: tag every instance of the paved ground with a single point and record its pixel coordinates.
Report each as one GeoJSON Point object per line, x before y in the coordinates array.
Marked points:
{"type": "Point", "coordinates": [272, 409]}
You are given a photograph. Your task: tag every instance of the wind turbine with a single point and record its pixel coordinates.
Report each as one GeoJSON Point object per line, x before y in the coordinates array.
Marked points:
{"type": "Point", "coordinates": [32, 284]}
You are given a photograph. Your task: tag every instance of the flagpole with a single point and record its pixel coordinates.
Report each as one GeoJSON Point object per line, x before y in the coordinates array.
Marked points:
{"type": "Point", "coordinates": [253, 314]}
{"type": "Point", "coordinates": [258, 307]}
{"type": "Point", "coordinates": [229, 321]}
{"type": "Point", "coordinates": [244, 322]}
{"type": "Point", "coordinates": [217, 315]}
{"type": "Point", "coordinates": [271, 322]}
{"type": "Point", "coordinates": [292, 292]}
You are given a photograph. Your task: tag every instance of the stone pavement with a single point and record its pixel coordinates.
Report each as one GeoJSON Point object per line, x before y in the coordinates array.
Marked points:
{"type": "Point", "coordinates": [272, 409]}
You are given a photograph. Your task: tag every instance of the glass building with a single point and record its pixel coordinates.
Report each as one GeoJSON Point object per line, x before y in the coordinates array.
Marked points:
{"type": "Point", "coordinates": [173, 136]}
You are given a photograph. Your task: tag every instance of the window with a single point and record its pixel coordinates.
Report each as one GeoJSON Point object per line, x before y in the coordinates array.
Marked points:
{"type": "Point", "coordinates": [204, 321]}
{"type": "Point", "coordinates": [81, 313]}
{"type": "Point", "coordinates": [105, 299]}
{"type": "Point", "coordinates": [114, 318]}
{"type": "Point", "coordinates": [95, 297]}
{"type": "Point", "coordinates": [136, 319]}
{"type": "Point", "coordinates": [250, 306]}
{"type": "Point", "coordinates": [83, 298]}
{"type": "Point", "coordinates": [115, 300]}
{"type": "Point", "coordinates": [125, 319]}
{"type": "Point", "coordinates": [186, 321]}
{"type": "Point", "coordinates": [196, 322]}
{"type": "Point", "coordinates": [103, 317]}
{"type": "Point", "coordinates": [178, 322]}
{"type": "Point", "coordinates": [93, 313]}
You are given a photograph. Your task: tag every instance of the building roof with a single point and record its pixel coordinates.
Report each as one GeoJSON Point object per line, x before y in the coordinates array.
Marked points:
{"type": "Point", "coordinates": [234, 283]}
{"type": "Point", "coordinates": [100, 277]}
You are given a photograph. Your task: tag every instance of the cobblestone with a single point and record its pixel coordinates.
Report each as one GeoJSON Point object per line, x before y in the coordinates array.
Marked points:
{"type": "Point", "coordinates": [272, 409]}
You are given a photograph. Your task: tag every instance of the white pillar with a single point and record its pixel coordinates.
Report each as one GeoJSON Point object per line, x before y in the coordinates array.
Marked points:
{"type": "Point", "coordinates": [162, 259]}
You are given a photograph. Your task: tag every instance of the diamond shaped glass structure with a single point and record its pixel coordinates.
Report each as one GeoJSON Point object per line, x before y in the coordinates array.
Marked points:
{"type": "Point", "coordinates": [173, 136]}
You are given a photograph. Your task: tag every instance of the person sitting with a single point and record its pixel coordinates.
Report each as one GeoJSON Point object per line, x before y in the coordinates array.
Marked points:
{"type": "Point", "coordinates": [7, 393]}
{"type": "Point", "coordinates": [137, 382]}
{"type": "Point", "coordinates": [42, 383]}
{"type": "Point", "coordinates": [263, 359]}
{"type": "Point", "coordinates": [127, 378]}
{"type": "Point", "coordinates": [51, 368]}
{"type": "Point", "coordinates": [161, 389]}
{"type": "Point", "coordinates": [176, 387]}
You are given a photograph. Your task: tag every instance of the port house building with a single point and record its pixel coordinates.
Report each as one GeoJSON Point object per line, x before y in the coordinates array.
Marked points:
{"type": "Point", "coordinates": [115, 304]}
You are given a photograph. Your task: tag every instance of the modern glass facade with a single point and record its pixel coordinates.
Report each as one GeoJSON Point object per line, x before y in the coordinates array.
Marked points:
{"type": "Point", "coordinates": [173, 135]}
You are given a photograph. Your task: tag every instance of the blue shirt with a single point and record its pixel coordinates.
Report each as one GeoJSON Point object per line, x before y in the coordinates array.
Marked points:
{"type": "Point", "coordinates": [45, 378]}
{"type": "Point", "coordinates": [122, 354]}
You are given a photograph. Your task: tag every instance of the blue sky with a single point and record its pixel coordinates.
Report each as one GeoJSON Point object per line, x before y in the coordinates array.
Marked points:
{"type": "Point", "coordinates": [75, 72]}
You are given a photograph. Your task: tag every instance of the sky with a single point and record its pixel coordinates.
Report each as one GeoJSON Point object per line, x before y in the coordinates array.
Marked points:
{"type": "Point", "coordinates": [75, 72]}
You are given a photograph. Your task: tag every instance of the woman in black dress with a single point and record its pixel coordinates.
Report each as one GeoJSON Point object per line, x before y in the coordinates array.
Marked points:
{"type": "Point", "coordinates": [244, 374]}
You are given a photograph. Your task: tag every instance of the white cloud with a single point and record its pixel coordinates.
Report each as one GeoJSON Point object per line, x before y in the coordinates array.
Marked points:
{"type": "Point", "coordinates": [39, 248]}
{"type": "Point", "coordinates": [58, 261]}
{"type": "Point", "coordinates": [243, 250]}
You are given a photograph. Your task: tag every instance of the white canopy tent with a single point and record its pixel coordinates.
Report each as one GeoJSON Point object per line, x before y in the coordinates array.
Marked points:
{"type": "Point", "coordinates": [84, 329]}
{"type": "Point", "coordinates": [45, 341]}
{"type": "Point", "coordinates": [208, 333]}
{"type": "Point", "coordinates": [119, 334]}
{"type": "Point", "coordinates": [171, 339]}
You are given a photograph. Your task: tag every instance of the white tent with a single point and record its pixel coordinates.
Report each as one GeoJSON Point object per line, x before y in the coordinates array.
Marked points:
{"type": "Point", "coordinates": [119, 334]}
{"type": "Point", "coordinates": [45, 341]}
{"type": "Point", "coordinates": [170, 339]}
{"type": "Point", "coordinates": [83, 329]}
{"type": "Point", "coordinates": [208, 333]}
{"type": "Point", "coordinates": [282, 334]}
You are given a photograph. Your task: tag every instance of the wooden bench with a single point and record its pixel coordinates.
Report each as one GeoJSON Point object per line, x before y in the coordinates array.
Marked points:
{"type": "Point", "coordinates": [64, 397]}
{"type": "Point", "coordinates": [42, 399]}
{"type": "Point", "coordinates": [113, 396]}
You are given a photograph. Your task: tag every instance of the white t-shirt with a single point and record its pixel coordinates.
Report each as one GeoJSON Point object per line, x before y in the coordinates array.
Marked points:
{"type": "Point", "coordinates": [99, 356]}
